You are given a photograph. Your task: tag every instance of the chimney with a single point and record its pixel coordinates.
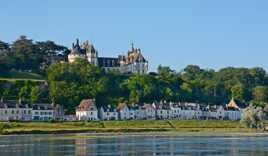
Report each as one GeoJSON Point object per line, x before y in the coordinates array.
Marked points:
{"type": "Point", "coordinates": [77, 41]}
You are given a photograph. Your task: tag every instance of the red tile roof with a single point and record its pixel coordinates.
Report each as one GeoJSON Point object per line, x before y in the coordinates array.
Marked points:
{"type": "Point", "coordinates": [86, 105]}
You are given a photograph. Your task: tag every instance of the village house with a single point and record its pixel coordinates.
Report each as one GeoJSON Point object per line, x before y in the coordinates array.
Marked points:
{"type": "Point", "coordinates": [176, 111]}
{"type": "Point", "coordinates": [204, 112]}
{"type": "Point", "coordinates": [42, 111]}
{"type": "Point", "coordinates": [216, 112]}
{"type": "Point", "coordinates": [190, 111]}
{"type": "Point", "coordinates": [108, 113]}
{"type": "Point", "coordinates": [198, 112]}
{"type": "Point", "coordinates": [125, 112]}
{"type": "Point", "coordinates": [87, 110]}
{"type": "Point", "coordinates": [147, 111]}
{"type": "Point", "coordinates": [163, 111]}
{"type": "Point", "coordinates": [15, 111]}
{"type": "Point", "coordinates": [234, 110]}
{"type": "Point", "coordinates": [59, 113]}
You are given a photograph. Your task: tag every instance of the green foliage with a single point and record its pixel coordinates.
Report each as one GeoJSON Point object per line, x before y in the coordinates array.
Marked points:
{"type": "Point", "coordinates": [21, 89]}
{"type": "Point", "coordinates": [238, 92]}
{"type": "Point", "coordinates": [26, 55]}
{"type": "Point", "coordinates": [35, 94]}
{"type": "Point", "coordinates": [141, 88]}
{"type": "Point", "coordinates": [15, 75]}
{"type": "Point", "coordinates": [70, 83]}
{"type": "Point", "coordinates": [25, 91]}
{"type": "Point", "coordinates": [252, 117]}
{"type": "Point", "coordinates": [260, 95]}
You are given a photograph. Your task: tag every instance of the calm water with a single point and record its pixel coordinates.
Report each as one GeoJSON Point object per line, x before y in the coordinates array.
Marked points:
{"type": "Point", "coordinates": [141, 145]}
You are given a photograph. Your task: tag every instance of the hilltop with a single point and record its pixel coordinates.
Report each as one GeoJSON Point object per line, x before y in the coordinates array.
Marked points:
{"type": "Point", "coordinates": [38, 71]}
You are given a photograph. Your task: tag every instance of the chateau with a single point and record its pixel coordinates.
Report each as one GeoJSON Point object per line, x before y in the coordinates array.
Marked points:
{"type": "Point", "coordinates": [132, 62]}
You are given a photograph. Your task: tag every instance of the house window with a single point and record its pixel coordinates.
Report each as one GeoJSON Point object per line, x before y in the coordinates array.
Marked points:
{"type": "Point", "coordinates": [29, 112]}
{"type": "Point", "coordinates": [18, 111]}
{"type": "Point", "coordinates": [12, 112]}
{"type": "Point", "coordinates": [5, 111]}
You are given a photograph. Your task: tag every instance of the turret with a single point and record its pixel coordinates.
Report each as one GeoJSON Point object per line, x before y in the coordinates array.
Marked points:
{"type": "Point", "coordinates": [92, 54]}
{"type": "Point", "coordinates": [77, 41]}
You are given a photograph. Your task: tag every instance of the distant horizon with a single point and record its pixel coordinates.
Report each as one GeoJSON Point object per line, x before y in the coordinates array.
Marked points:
{"type": "Point", "coordinates": [207, 33]}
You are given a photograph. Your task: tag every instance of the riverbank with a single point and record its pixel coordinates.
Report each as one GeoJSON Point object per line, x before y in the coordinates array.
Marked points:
{"type": "Point", "coordinates": [135, 126]}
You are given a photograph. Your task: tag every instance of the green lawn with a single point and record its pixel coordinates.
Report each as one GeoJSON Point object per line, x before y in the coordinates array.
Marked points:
{"type": "Point", "coordinates": [205, 124]}
{"type": "Point", "coordinates": [16, 75]}
{"type": "Point", "coordinates": [123, 126]}
{"type": "Point", "coordinates": [137, 124]}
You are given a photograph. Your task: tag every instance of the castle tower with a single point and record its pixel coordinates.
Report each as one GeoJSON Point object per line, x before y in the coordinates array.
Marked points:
{"type": "Point", "coordinates": [91, 53]}
{"type": "Point", "coordinates": [76, 52]}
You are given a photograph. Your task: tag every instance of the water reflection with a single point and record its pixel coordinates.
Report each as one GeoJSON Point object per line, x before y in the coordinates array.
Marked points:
{"type": "Point", "coordinates": [126, 145]}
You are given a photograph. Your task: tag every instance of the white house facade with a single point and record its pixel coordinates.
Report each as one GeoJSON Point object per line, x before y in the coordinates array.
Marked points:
{"type": "Point", "coordinates": [87, 110]}
{"type": "Point", "coordinates": [125, 113]}
{"type": "Point", "coordinates": [43, 112]}
{"type": "Point", "coordinates": [14, 111]}
{"type": "Point", "coordinates": [108, 113]}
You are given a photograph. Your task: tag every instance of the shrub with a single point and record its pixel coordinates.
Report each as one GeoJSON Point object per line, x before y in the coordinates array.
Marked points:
{"type": "Point", "coordinates": [252, 117]}
{"type": "Point", "coordinates": [4, 126]}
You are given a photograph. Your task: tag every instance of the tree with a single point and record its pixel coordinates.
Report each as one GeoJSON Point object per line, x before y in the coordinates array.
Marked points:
{"type": "Point", "coordinates": [4, 46]}
{"type": "Point", "coordinates": [191, 72]}
{"type": "Point", "coordinates": [141, 88]}
{"type": "Point", "coordinates": [24, 93]}
{"type": "Point", "coordinates": [168, 84]}
{"type": "Point", "coordinates": [50, 52]}
{"type": "Point", "coordinates": [252, 117]}
{"type": "Point", "coordinates": [24, 55]}
{"type": "Point", "coordinates": [70, 83]}
{"type": "Point", "coordinates": [35, 94]}
{"type": "Point", "coordinates": [3, 64]}
{"type": "Point", "coordinates": [238, 92]}
{"type": "Point", "coordinates": [260, 94]}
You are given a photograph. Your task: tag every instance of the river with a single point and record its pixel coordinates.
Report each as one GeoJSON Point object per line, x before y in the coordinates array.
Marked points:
{"type": "Point", "coordinates": [134, 145]}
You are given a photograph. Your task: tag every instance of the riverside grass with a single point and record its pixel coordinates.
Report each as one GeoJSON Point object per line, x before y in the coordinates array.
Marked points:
{"type": "Point", "coordinates": [217, 126]}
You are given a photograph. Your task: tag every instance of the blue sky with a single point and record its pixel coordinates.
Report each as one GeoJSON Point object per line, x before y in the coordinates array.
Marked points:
{"type": "Point", "coordinates": [209, 33]}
